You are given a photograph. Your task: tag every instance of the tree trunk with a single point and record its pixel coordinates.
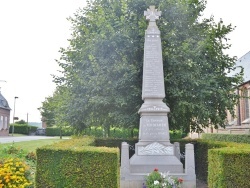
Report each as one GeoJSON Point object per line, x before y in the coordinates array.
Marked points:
{"type": "Point", "coordinates": [60, 132]}
{"type": "Point", "coordinates": [132, 133]}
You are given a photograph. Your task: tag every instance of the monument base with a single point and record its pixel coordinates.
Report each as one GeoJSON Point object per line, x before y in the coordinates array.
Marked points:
{"type": "Point", "coordinates": [134, 171]}
{"type": "Point", "coordinates": [137, 180]}
{"type": "Point", "coordinates": [147, 164]}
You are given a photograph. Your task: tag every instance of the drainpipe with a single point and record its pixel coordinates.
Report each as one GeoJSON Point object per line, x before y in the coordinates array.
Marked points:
{"type": "Point", "coordinates": [239, 114]}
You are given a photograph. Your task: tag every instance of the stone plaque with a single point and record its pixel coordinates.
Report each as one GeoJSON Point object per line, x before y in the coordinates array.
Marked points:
{"type": "Point", "coordinates": [156, 149]}
{"type": "Point", "coordinates": [154, 128]}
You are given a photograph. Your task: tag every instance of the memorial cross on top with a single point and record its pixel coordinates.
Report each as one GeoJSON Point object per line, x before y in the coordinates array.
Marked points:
{"type": "Point", "coordinates": [152, 14]}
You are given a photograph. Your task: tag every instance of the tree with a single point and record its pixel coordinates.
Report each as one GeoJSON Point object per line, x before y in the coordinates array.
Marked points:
{"type": "Point", "coordinates": [47, 111]}
{"type": "Point", "coordinates": [21, 122]}
{"type": "Point", "coordinates": [102, 67]}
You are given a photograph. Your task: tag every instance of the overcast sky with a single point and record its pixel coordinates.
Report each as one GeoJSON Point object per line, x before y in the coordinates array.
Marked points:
{"type": "Point", "coordinates": [32, 32]}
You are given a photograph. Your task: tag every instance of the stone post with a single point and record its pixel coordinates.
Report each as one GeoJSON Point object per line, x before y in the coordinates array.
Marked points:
{"type": "Point", "coordinates": [124, 160]}
{"type": "Point", "coordinates": [177, 150]}
{"type": "Point", "coordinates": [190, 164]}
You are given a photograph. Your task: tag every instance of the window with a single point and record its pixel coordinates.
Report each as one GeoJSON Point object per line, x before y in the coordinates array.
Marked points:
{"type": "Point", "coordinates": [1, 122]}
{"type": "Point", "coordinates": [246, 103]}
{"type": "Point", "coordinates": [5, 122]}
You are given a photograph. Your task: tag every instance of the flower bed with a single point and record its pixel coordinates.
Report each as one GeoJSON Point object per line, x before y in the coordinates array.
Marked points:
{"type": "Point", "coordinates": [158, 179]}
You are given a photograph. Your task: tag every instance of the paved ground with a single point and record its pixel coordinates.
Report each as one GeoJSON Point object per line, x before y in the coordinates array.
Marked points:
{"type": "Point", "coordinates": [9, 139]}
{"type": "Point", "coordinates": [201, 184]}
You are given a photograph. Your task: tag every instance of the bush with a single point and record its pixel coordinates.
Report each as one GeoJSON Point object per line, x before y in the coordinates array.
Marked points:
{"type": "Point", "coordinates": [202, 148]}
{"type": "Point", "coordinates": [55, 131]}
{"type": "Point", "coordinates": [74, 163]}
{"type": "Point", "coordinates": [14, 151]}
{"type": "Point", "coordinates": [22, 128]}
{"type": "Point", "coordinates": [228, 168]}
{"type": "Point", "coordinates": [239, 138]}
{"type": "Point", "coordinates": [114, 132]}
{"type": "Point", "coordinates": [125, 133]}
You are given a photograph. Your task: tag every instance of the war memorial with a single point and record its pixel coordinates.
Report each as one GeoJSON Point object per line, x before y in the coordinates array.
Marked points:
{"type": "Point", "coordinates": [154, 149]}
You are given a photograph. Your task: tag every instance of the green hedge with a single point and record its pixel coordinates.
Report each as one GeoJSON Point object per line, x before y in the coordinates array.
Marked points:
{"type": "Point", "coordinates": [55, 131]}
{"type": "Point", "coordinates": [202, 161]}
{"type": "Point", "coordinates": [98, 132]}
{"type": "Point", "coordinates": [73, 163]}
{"type": "Point", "coordinates": [22, 128]}
{"type": "Point", "coordinates": [201, 148]}
{"type": "Point", "coordinates": [114, 132]}
{"type": "Point", "coordinates": [228, 168]}
{"type": "Point", "coordinates": [239, 138]}
{"type": "Point", "coordinates": [124, 133]}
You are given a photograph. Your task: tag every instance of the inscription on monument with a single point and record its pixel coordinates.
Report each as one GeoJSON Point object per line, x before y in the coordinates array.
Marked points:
{"type": "Point", "coordinates": [153, 85]}
{"type": "Point", "coordinates": [154, 128]}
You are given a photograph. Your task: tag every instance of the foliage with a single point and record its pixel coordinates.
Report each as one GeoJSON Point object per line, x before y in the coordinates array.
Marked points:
{"type": "Point", "coordinates": [24, 151]}
{"type": "Point", "coordinates": [162, 180]}
{"type": "Point", "coordinates": [87, 166]}
{"type": "Point", "coordinates": [124, 132]}
{"type": "Point", "coordinates": [57, 131]}
{"type": "Point", "coordinates": [31, 156]}
{"type": "Point", "coordinates": [13, 150]}
{"type": "Point", "coordinates": [228, 168]}
{"type": "Point", "coordinates": [22, 128]}
{"type": "Point", "coordinates": [101, 75]}
{"type": "Point", "coordinates": [47, 111]}
{"type": "Point", "coordinates": [202, 148]}
{"type": "Point", "coordinates": [239, 138]}
{"type": "Point", "coordinates": [20, 122]}
{"type": "Point", "coordinates": [14, 173]}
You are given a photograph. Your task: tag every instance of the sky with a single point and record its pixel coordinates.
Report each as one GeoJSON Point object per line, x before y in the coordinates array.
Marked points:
{"type": "Point", "coordinates": [33, 31]}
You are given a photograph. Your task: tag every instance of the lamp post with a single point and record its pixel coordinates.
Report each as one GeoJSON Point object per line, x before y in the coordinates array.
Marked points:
{"type": "Point", "coordinates": [14, 114]}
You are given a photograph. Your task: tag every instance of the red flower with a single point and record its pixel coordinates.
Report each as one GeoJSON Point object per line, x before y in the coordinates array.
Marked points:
{"type": "Point", "coordinates": [156, 169]}
{"type": "Point", "coordinates": [180, 180]}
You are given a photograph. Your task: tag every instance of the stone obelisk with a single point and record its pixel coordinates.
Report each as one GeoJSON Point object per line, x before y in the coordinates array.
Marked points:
{"type": "Point", "coordinates": [154, 149]}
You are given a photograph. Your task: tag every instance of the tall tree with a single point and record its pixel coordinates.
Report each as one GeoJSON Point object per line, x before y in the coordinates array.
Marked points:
{"type": "Point", "coordinates": [102, 67]}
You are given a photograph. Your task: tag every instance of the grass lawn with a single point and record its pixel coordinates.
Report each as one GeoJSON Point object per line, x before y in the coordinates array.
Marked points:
{"type": "Point", "coordinates": [30, 146]}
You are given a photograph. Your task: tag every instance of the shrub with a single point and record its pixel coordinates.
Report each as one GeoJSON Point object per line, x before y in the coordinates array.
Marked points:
{"type": "Point", "coordinates": [13, 150]}
{"type": "Point", "coordinates": [228, 168]}
{"type": "Point", "coordinates": [239, 138]}
{"type": "Point", "coordinates": [73, 163]}
{"type": "Point", "coordinates": [22, 128]}
{"type": "Point", "coordinates": [55, 131]}
{"type": "Point", "coordinates": [31, 156]}
{"type": "Point", "coordinates": [14, 173]}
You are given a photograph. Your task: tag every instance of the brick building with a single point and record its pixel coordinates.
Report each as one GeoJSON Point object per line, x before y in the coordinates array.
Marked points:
{"type": "Point", "coordinates": [4, 116]}
{"type": "Point", "coordinates": [240, 124]}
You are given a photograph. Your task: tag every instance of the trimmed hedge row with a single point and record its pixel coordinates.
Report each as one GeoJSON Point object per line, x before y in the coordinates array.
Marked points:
{"type": "Point", "coordinates": [22, 128]}
{"type": "Point", "coordinates": [74, 163]}
{"type": "Point", "coordinates": [239, 138]}
{"type": "Point", "coordinates": [216, 162]}
{"type": "Point", "coordinates": [201, 148]}
{"type": "Point", "coordinates": [203, 159]}
{"type": "Point", "coordinates": [55, 131]}
{"type": "Point", "coordinates": [228, 168]}
{"type": "Point", "coordinates": [118, 133]}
